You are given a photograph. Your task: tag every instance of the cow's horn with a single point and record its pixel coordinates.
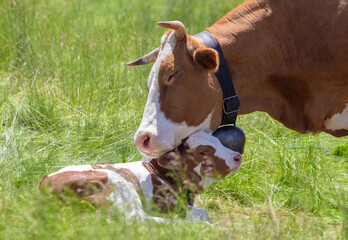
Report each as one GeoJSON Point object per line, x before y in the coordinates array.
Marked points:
{"type": "Point", "coordinates": [149, 58]}
{"type": "Point", "coordinates": [177, 26]}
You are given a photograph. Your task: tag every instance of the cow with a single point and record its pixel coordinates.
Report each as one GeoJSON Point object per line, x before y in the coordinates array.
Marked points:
{"type": "Point", "coordinates": [189, 168]}
{"type": "Point", "coordinates": [288, 58]}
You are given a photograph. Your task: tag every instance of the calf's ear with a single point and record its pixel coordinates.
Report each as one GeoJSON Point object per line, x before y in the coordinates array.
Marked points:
{"type": "Point", "coordinates": [169, 160]}
{"type": "Point", "coordinates": [207, 58]}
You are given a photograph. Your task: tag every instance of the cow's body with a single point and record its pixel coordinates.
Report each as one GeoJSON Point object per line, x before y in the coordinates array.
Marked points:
{"type": "Point", "coordinates": [288, 58]}
{"type": "Point", "coordinates": [158, 182]}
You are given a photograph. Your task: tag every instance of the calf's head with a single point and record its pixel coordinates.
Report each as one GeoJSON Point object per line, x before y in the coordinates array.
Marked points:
{"type": "Point", "coordinates": [184, 94]}
{"type": "Point", "coordinates": [201, 159]}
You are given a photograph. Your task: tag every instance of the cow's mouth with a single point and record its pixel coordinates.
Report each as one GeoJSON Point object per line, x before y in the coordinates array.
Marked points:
{"type": "Point", "coordinates": [235, 169]}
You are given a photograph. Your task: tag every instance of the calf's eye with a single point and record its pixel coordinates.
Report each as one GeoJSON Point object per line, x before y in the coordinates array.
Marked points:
{"type": "Point", "coordinates": [206, 153]}
{"type": "Point", "coordinates": [206, 150]}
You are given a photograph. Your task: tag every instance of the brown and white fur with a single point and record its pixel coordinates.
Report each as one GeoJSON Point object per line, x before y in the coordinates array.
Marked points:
{"type": "Point", "coordinates": [193, 166]}
{"type": "Point", "coordinates": [287, 58]}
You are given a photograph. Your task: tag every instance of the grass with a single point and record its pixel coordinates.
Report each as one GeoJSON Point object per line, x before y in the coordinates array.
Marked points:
{"type": "Point", "coordinates": [66, 97]}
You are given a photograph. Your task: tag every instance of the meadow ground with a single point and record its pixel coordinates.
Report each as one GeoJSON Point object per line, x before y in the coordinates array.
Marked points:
{"type": "Point", "coordinates": [66, 97]}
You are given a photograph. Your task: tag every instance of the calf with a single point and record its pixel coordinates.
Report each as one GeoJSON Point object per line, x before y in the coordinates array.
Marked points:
{"type": "Point", "coordinates": [159, 182]}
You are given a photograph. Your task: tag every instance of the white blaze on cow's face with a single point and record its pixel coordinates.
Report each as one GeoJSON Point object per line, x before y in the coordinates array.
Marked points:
{"type": "Point", "coordinates": [184, 94]}
{"type": "Point", "coordinates": [155, 128]}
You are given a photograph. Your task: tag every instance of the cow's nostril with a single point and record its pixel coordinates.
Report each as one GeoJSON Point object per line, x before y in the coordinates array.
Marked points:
{"type": "Point", "coordinates": [238, 158]}
{"type": "Point", "coordinates": [146, 143]}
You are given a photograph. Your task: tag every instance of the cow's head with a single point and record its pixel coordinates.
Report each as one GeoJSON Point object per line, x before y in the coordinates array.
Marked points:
{"type": "Point", "coordinates": [184, 94]}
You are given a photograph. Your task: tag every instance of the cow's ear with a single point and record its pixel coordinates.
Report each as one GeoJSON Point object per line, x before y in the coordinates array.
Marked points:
{"type": "Point", "coordinates": [207, 58]}
{"type": "Point", "coordinates": [169, 160]}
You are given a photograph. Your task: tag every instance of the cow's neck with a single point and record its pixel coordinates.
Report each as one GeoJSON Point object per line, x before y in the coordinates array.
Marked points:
{"type": "Point", "coordinates": [254, 51]}
{"type": "Point", "coordinates": [236, 35]}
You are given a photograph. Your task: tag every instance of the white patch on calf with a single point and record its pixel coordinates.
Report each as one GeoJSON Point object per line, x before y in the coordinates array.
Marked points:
{"type": "Point", "coordinates": [196, 214]}
{"type": "Point", "coordinates": [142, 174]}
{"type": "Point", "coordinates": [338, 121]}
{"type": "Point", "coordinates": [206, 181]}
{"type": "Point", "coordinates": [124, 196]}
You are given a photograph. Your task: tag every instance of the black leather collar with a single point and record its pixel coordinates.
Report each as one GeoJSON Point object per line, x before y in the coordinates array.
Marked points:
{"type": "Point", "coordinates": [230, 99]}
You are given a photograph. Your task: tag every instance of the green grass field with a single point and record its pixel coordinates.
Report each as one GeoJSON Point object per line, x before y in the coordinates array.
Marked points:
{"type": "Point", "coordinates": [67, 97]}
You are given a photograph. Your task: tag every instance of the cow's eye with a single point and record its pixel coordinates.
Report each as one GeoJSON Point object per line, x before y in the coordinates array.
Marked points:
{"type": "Point", "coordinates": [172, 75]}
